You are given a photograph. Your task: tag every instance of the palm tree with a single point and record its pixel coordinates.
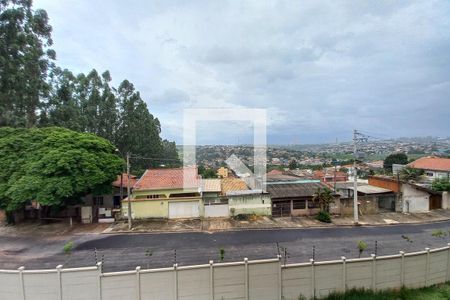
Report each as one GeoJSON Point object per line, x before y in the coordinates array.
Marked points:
{"type": "Point", "coordinates": [324, 197]}
{"type": "Point", "coordinates": [409, 174]}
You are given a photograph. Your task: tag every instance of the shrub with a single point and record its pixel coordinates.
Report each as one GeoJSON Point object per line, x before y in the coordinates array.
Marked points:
{"type": "Point", "coordinates": [361, 247]}
{"type": "Point", "coordinates": [68, 247]}
{"type": "Point", "coordinates": [324, 216]}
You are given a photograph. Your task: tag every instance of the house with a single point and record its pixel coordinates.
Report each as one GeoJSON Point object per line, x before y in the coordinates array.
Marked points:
{"type": "Point", "coordinates": [215, 205]}
{"type": "Point", "coordinates": [433, 167]}
{"type": "Point", "coordinates": [410, 197]}
{"type": "Point", "coordinates": [371, 199]}
{"type": "Point", "coordinates": [330, 176]}
{"type": "Point", "coordinates": [166, 193]}
{"type": "Point", "coordinates": [102, 208]}
{"type": "Point", "coordinates": [294, 198]}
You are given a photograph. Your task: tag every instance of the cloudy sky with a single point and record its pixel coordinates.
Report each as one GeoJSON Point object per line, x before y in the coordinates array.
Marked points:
{"type": "Point", "coordinates": [320, 68]}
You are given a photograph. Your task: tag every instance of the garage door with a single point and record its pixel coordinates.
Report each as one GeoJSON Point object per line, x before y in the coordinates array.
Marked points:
{"type": "Point", "coordinates": [216, 210]}
{"type": "Point", "coordinates": [183, 209]}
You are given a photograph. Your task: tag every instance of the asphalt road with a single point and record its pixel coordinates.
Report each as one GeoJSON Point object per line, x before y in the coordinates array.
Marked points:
{"type": "Point", "coordinates": [126, 251]}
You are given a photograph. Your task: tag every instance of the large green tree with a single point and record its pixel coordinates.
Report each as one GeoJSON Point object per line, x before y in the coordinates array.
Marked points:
{"type": "Point", "coordinates": [54, 166]}
{"type": "Point", "coordinates": [25, 59]}
{"type": "Point", "coordinates": [396, 158]}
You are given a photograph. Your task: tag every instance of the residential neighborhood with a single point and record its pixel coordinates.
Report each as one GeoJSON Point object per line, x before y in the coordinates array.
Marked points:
{"type": "Point", "coordinates": [224, 150]}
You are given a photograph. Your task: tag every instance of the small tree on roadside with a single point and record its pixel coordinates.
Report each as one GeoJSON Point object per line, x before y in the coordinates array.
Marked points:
{"type": "Point", "coordinates": [222, 254]}
{"type": "Point", "coordinates": [362, 246]}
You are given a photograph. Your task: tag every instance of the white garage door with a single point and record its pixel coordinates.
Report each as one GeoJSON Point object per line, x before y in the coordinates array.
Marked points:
{"type": "Point", "coordinates": [183, 209]}
{"type": "Point", "coordinates": [218, 210]}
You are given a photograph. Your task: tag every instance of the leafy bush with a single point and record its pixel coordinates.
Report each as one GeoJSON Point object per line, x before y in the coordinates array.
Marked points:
{"type": "Point", "coordinates": [68, 247]}
{"type": "Point", "coordinates": [361, 247]}
{"type": "Point", "coordinates": [324, 216]}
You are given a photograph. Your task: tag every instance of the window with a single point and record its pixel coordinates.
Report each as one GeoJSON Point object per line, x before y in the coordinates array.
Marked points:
{"type": "Point", "coordinates": [429, 174]}
{"type": "Point", "coordinates": [98, 200]}
{"type": "Point", "coordinates": [152, 196]}
{"type": "Point", "coordinates": [299, 204]}
{"type": "Point", "coordinates": [312, 204]}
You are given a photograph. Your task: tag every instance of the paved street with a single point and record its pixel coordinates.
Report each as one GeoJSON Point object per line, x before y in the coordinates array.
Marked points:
{"type": "Point", "coordinates": [126, 251]}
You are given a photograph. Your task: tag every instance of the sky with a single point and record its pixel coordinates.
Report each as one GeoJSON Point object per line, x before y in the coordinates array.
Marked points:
{"type": "Point", "coordinates": [319, 68]}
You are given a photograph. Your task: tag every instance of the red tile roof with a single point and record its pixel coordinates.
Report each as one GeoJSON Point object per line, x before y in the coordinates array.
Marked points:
{"type": "Point", "coordinates": [431, 163]}
{"type": "Point", "coordinates": [133, 180]}
{"type": "Point", "coordinates": [154, 179]}
{"type": "Point", "coordinates": [275, 172]}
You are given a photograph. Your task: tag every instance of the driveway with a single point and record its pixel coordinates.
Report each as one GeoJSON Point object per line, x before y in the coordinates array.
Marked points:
{"type": "Point", "coordinates": [126, 251]}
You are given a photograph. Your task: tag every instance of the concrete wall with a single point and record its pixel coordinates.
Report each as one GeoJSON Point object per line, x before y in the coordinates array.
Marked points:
{"type": "Point", "coordinates": [414, 200]}
{"type": "Point", "coordinates": [155, 208]}
{"type": "Point", "coordinates": [258, 204]}
{"type": "Point", "coordinates": [259, 280]}
{"type": "Point", "coordinates": [368, 205]}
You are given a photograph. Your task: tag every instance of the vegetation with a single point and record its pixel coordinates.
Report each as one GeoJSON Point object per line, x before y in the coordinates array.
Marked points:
{"type": "Point", "coordinates": [362, 246]}
{"type": "Point", "coordinates": [437, 292]}
{"type": "Point", "coordinates": [324, 216]}
{"type": "Point", "coordinates": [410, 174]}
{"type": "Point", "coordinates": [35, 92]}
{"type": "Point", "coordinates": [207, 172]}
{"type": "Point", "coordinates": [53, 166]}
{"type": "Point", "coordinates": [68, 247]}
{"type": "Point", "coordinates": [222, 254]}
{"type": "Point", "coordinates": [441, 185]}
{"type": "Point", "coordinates": [396, 158]}
{"type": "Point", "coordinates": [324, 197]}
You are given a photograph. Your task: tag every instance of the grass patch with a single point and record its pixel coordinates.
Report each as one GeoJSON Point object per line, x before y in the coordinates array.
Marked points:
{"type": "Point", "coordinates": [438, 292]}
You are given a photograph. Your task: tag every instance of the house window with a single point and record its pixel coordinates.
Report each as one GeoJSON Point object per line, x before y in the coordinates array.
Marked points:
{"type": "Point", "coordinates": [429, 174]}
{"type": "Point", "coordinates": [300, 204]}
{"type": "Point", "coordinates": [98, 200]}
{"type": "Point", "coordinates": [312, 204]}
{"type": "Point", "coordinates": [152, 196]}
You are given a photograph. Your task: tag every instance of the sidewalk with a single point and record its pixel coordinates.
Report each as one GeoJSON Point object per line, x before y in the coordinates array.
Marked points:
{"type": "Point", "coordinates": [224, 224]}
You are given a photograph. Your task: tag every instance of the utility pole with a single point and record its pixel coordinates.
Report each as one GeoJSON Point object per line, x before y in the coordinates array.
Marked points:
{"type": "Point", "coordinates": [357, 137]}
{"type": "Point", "coordinates": [128, 191]}
{"type": "Point", "coordinates": [355, 183]}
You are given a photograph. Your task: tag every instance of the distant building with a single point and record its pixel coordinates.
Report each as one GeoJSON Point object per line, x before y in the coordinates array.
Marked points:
{"type": "Point", "coordinates": [433, 167]}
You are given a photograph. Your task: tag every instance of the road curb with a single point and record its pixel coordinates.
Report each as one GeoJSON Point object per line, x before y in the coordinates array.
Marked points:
{"type": "Point", "coordinates": [273, 228]}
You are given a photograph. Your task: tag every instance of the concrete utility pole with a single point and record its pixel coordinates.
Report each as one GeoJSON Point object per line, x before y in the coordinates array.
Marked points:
{"type": "Point", "coordinates": [357, 137]}
{"type": "Point", "coordinates": [355, 183]}
{"type": "Point", "coordinates": [128, 191]}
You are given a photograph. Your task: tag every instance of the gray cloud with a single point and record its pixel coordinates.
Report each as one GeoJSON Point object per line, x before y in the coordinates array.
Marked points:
{"type": "Point", "coordinates": [321, 68]}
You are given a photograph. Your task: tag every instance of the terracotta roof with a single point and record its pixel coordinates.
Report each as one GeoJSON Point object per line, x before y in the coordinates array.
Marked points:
{"type": "Point", "coordinates": [211, 185]}
{"type": "Point", "coordinates": [431, 163]}
{"type": "Point", "coordinates": [233, 184]}
{"type": "Point", "coordinates": [154, 179]}
{"type": "Point", "coordinates": [133, 180]}
{"type": "Point", "coordinates": [275, 172]}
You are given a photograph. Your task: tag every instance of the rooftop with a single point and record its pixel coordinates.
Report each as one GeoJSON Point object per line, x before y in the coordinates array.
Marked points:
{"type": "Point", "coordinates": [211, 185]}
{"type": "Point", "coordinates": [177, 178]}
{"type": "Point", "coordinates": [431, 163]}
{"type": "Point", "coordinates": [288, 190]}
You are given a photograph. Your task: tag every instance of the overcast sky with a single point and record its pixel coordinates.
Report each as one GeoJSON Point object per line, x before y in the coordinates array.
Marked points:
{"type": "Point", "coordinates": [320, 68]}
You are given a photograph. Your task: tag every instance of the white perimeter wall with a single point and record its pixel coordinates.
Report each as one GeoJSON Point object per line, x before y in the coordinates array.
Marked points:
{"type": "Point", "coordinates": [259, 280]}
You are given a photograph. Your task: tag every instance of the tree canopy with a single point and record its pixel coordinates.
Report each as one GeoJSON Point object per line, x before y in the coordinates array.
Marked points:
{"type": "Point", "coordinates": [35, 92]}
{"type": "Point", "coordinates": [441, 185]}
{"type": "Point", "coordinates": [396, 158]}
{"type": "Point", "coordinates": [53, 166]}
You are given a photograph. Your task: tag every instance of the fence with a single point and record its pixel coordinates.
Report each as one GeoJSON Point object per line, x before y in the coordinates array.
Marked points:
{"type": "Point", "coordinates": [258, 279]}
